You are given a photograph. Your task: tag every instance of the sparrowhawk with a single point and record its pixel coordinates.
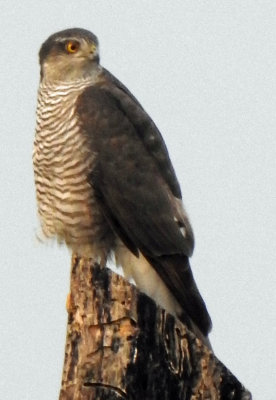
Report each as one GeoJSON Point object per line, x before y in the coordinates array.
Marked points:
{"type": "Point", "coordinates": [104, 180]}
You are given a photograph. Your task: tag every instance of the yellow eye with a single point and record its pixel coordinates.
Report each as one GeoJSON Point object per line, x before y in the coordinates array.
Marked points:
{"type": "Point", "coordinates": [72, 46]}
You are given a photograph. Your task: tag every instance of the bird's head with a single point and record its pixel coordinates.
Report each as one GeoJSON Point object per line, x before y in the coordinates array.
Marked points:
{"type": "Point", "coordinates": [69, 55]}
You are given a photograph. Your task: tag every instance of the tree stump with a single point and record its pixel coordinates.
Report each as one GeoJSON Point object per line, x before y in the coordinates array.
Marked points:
{"type": "Point", "coordinates": [121, 345]}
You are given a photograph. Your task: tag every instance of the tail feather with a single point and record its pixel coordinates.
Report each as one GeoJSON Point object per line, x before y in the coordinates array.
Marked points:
{"type": "Point", "coordinates": [176, 273]}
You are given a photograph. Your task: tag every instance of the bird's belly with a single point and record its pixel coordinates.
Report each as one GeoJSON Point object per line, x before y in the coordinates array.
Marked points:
{"type": "Point", "coordinates": [67, 208]}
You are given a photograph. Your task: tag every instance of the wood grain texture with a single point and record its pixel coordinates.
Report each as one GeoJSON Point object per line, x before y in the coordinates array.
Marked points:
{"type": "Point", "coordinates": [120, 345]}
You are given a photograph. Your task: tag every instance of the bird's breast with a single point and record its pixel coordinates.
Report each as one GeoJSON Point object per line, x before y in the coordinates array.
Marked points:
{"type": "Point", "coordinates": [62, 159]}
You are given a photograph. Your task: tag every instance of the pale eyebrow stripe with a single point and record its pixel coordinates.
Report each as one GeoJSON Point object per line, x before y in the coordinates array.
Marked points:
{"type": "Point", "coordinates": [69, 38]}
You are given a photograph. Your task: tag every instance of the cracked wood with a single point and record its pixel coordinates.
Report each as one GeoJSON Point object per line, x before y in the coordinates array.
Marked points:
{"type": "Point", "coordinates": [120, 345]}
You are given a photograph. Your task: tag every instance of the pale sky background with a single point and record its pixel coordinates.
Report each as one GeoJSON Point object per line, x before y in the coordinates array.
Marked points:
{"type": "Point", "coordinates": [206, 73]}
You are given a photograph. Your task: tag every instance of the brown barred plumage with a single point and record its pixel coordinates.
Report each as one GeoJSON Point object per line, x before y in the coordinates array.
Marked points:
{"type": "Point", "coordinates": [62, 160]}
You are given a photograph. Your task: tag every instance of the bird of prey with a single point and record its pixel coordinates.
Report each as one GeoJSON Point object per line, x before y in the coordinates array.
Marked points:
{"type": "Point", "coordinates": [104, 180]}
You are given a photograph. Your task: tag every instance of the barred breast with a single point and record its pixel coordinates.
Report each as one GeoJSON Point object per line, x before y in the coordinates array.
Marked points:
{"type": "Point", "coordinates": [62, 161]}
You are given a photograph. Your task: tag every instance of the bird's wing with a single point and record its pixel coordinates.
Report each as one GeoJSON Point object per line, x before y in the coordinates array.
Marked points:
{"type": "Point", "coordinates": [136, 186]}
{"type": "Point", "coordinates": [146, 129]}
{"type": "Point", "coordinates": [133, 171]}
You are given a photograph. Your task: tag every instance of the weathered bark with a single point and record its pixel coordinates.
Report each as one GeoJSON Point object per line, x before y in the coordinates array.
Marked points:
{"type": "Point", "coordinates": [120, 345]}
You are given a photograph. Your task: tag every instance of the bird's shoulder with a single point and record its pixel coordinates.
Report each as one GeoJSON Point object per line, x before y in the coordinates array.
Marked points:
{"type": "Point", "coordinates": [109, 101]}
